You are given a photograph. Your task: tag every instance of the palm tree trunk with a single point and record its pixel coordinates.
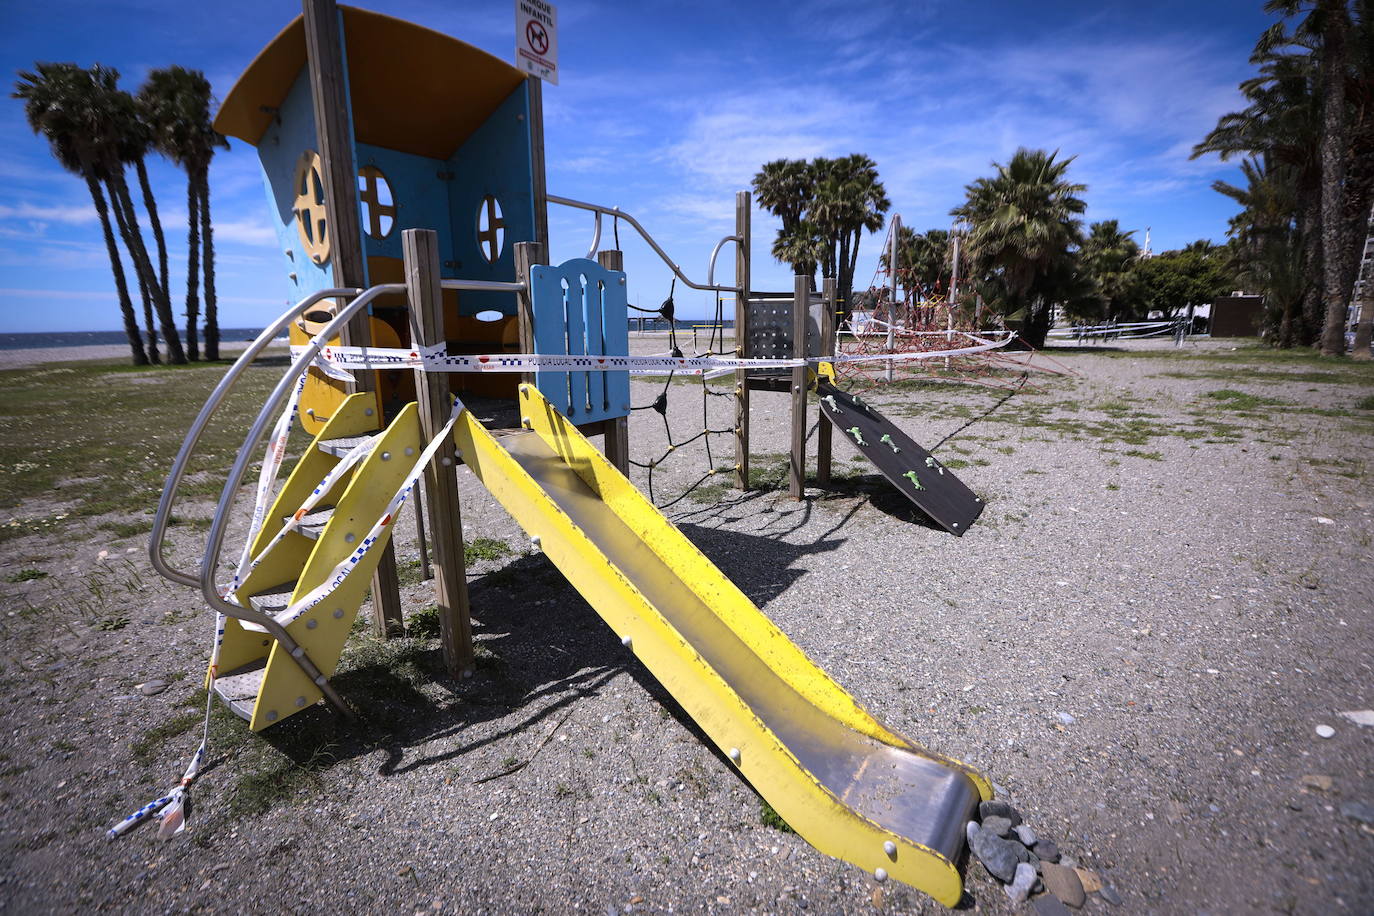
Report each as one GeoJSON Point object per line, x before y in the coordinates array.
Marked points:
{"type": "Point", "coordinates": [1310, 326]}
{"type": "Point", "coordinates": [126, 307]}
{"type": "Point", "coordinates": [150, 326]}
{"type": "Point", "coordinates": [150, 205]}
{"type": "Point", "coordinates": [192, 266]}
{"type": "Point", "coordinates": [207, 242]}
{"type": "Point", "coordinates": [139, 252]}
{"type": "Point", "coordinates": [1336, 23]}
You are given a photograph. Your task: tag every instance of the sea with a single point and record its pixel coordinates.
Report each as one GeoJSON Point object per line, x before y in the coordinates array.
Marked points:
{"type": "Point", "coordinates": [40, 339]}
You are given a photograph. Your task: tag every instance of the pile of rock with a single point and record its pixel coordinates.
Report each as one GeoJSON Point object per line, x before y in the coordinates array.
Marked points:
{"type": "Point", "coordinates": [1027, 863]}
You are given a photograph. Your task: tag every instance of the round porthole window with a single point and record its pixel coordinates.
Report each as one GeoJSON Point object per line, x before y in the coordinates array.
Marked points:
{"type": "Point", "coordinates": [379, 207]}
{"type": "Point", "coordinates": [491, 229]}
{"type": "Point", "coordinates": [312, 220]}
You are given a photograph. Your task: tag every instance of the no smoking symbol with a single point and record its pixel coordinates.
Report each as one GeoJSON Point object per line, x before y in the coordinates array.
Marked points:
{"type": "Point", "coordinates": [537, 37]}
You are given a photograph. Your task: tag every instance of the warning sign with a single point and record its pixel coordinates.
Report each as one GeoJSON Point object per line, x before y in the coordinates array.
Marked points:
{"type": "Point", "coordinates": [536, 38]}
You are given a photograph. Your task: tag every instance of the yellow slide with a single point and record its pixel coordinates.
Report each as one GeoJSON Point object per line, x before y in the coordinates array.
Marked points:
{"type": "Point", "coordinates": [849, 786]}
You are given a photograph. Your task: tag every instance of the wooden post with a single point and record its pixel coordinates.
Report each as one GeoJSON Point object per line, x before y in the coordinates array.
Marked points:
{"type": "Point", "coordinates": [801, 306]}
{"type": "Point", "coordinates": [823, 429]}
{"type": "Point", "coordinates": [420, 250]}
{"type": "Point", "coordinates": [742, 214]}
{"type": "Point", "coordinates": [541, 204]}
{"type": "Point", "coordinates": [328, 92]}
{"type": "Point", "coordinates": [617, 435]}
{"type": "Point", "coordinates": [527, 254]}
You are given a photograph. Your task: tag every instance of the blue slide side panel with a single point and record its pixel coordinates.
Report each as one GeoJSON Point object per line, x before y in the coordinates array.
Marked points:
{"type": "Point", "coordinates": [579, 308]}
{"type": "Point", "coordinates": [420, 196]}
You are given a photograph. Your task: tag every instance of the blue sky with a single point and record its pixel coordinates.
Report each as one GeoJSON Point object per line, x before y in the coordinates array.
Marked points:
{"type": "Point", "coordinates": [666, 109]}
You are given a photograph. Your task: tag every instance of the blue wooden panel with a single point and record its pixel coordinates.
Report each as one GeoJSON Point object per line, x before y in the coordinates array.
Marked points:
{"type": "Point", "coordinates": [496, 160]}
{"type": "Point", "coordinates": [290, 134]}
{"type": "Point", "coordinates": [580, 308]}
{"type": "Point", "coordinates": [420, 196]}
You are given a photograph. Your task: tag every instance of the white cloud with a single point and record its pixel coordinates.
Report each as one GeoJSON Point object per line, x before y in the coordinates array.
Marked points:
{"type": "Point", "coordinates": [69, 215]}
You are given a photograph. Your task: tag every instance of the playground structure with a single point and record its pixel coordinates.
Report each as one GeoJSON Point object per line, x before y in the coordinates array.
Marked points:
{"type": "Point", "coordinates": [466, 347]}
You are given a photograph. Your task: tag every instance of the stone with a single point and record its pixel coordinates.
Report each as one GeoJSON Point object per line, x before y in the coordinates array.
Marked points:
{"type": "Point", "coordinates": [1026, 835]}
{"type": "Point", "coordinates": [998, 808]}
{"type": "Point", "coordinates": [1325, 731]}
{"type": "Point", "coordinates": [1021, 883]}
{"type": "Point", "coordinates": [1048, 905]}
{"type": "Point", "coordinates": [1091, 882]}
{"type": "Point", "coordinates": [1022, 853]}
{"type": "Point", "coordinates": [970, 830]}
{"type": "Point", "coordinates": [1359, 811]}
{"type": "Point", "coordinates": [995, 853]}
{"type": "Point", "coordinates": [1047, 850]}
{"type": "Point", "coordinates": [151, 688]}
{"type": "Point", "coordinates": [1000, 826]}
{"type": "Point", "coordinates": [1066, 719]}
{"type": "Point", "coordinates": [1315, 781]}
{"type": "Point", "coordinates": [1063, 883]}
{"type": "Point", "coordinates": [1109, 894]}
{"type": "Point", "coordinates": [1360, 716]}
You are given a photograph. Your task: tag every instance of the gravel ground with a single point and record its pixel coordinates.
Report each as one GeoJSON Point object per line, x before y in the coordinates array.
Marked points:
{"type": "Point", "coordinates": [1168, 592]}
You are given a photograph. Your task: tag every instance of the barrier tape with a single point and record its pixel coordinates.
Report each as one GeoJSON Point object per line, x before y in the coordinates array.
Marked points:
{"type": "Point", "coordinates": [438, 359]}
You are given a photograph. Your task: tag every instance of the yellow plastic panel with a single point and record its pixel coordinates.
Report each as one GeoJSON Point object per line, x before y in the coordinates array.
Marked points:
{"type": "Point", "coordinates": [323, 631]}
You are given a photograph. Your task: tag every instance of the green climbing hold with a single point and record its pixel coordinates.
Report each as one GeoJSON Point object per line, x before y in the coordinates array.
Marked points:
{"type": "Point", "coordinates": [915, 483]}
{"type": "Point", "coordinates": [930, 462]}
{"type": "Point", "coordinates": [830, 399]}
{"type": "Point", "coordinates": [858, 436]}
{"type": "Point", "coordinates": [887, 439]}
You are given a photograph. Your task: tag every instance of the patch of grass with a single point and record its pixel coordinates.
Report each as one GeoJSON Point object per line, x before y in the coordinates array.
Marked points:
{"type": "Point", "coordinates": [771, 818]}
{"type": "Point", "coordinates": [257, 793]}
{"type": "Point", "coordinates": [709, 493]}
{"type": "Point", "coordinates": [410, 572]}
{"type": "Point", "coordinates": [26, 575]}
{"type": "Point", "coordinates": [112, 623]}
{"type": "Point", "coordinates": [147, 746]}
{"type": "Point", "coordinates": [486, 549]}
{"type": "Point", "coordinates": [1113, 486]}
{"type": "Point", "coordinates": [1365, 403]}
{"type": "Point", "coordinates": [1148, 456]}
{"type": "Point", "coordinates": [768, 472]}
{"type": "Point", "coordinates": [1243, 400]}
{"type": "Point", "coordinates": [128, 529]}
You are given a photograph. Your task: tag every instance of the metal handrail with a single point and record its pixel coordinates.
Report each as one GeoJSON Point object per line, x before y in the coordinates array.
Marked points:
{"type": "Point", "coordinates": [715, 252]}
{"type": "Point", "coordinates": [634, 223]}
{"type": "Point", "coordinates": [174, 477]}
{"type": "Point", "coordinates": [214, 541]}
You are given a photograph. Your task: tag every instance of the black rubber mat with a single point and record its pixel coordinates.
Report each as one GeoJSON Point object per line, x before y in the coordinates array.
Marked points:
{"type": "Point", "coordinates": [931, 486]}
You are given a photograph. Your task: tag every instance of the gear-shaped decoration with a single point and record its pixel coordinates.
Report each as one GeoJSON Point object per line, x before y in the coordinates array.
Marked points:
{"type": "Point", "coordinates": [312, 218]}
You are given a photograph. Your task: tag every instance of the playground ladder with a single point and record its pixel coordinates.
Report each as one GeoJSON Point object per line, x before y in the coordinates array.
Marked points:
{"type": "Point", "coordinates": [1359, 295]}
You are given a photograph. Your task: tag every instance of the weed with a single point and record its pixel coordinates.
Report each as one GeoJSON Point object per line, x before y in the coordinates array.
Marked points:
{"type": "Point", "coordinates": [1365, 403]}
{"type": "Point", "coordinates": [771, 818]}
{"type": "Point", "coordinates": [112, 623]}
{"type": "Point", "coordinates": [510, 762]}
{"type": "Point", "coordinates": [588, 753]}
{"type": "Point", "coordinates": [1148, 456]}
{"type": "Point", "coordinates": [1113, 486]}
{"type": "Point", "coordinates": [256, 793]}
{"type": "Point", "coordinates": [424, 623]}
{"type": "Point", "coordinates": [26, 575]}
{"type": "Point", "coordinates": [562, 790]}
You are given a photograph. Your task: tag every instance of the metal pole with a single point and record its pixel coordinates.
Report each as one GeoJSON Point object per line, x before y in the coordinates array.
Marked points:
{"type": "Point", "coordinates": [892, 303]}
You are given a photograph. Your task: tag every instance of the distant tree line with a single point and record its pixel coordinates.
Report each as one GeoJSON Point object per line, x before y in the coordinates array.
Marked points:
{"type": "Point", "coordinates": [97, 131]}
{"type": "Point", "coordinates": [1024, 248]}
{"type": "Point", "coordinates": [1306, 142]}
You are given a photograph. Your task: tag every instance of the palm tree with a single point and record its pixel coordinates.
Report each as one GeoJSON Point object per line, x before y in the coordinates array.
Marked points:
{"type": "Point", "coordinates": [60, 102]}
{"type": "Point", "coordinates": [176, 105]}
{"type": "Point", "coordinates": [1108, 255]}
{"type": "Point", "coordinates": [1024, 224]}
{"type": "Point", "coordinates": [923, 261]}
{"type": "Point", "coordinates": [126, 141]}
{"type": "Point", "coordinates": [803, 246]}
{"type": "Point", "coordinates": [849, 200]}
{"type": "Point", "coordinates": [785, 187]}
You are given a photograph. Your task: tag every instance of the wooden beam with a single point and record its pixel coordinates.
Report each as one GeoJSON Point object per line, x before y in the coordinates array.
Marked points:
{"type": "Point", "coordinates": [801, 305]}
{"type": "Point", "coordinates": [742, 214]}
{"type": "Point", "coordinates": [334, 135]}
{"type": "Point", "coordinates": [527, 254]}
{"type": "Point", "coordinates": [420, 251]}
{"type": "Point", "coordinates": [617, 441]}
{"type": "Point", "coordinates": [824, 429]}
